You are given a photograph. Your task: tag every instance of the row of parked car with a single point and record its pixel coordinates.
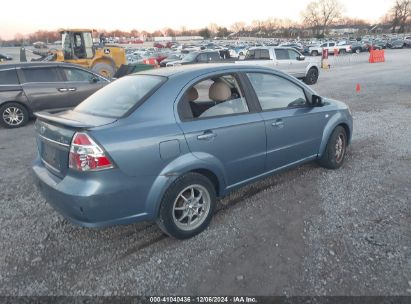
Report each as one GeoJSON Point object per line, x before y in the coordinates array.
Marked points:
{"type": "Point", "coordinates": [238, 50]}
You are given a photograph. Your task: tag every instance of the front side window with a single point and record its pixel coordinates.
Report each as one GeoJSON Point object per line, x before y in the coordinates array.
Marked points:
{"type": "Point", "coordinates": [293, 55]}
{"type": "Point", "coordinates": [120, 96]}
{"type": "Point", "coordinates": [212, 97]}
{"type": "Point", "coordinates": [79, 75]}
{"type": "Point", "coordinates": [202, 58]}
{"type": "Point", "coordinates": [41, 75]}
{"type": "Point", "coordinates": [8, 77]}
{"type": "Point", "coordinates": [275, 92]}
{"type": "Point", "coordinates": [282, 54]}
{"type": "Point", "coordinates": [214, 56]}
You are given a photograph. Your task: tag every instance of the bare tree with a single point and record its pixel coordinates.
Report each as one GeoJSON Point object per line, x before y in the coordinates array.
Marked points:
{"type": "Point", "coordinates": [321, 14]}
{"type": "Point", "coordinates": [238, 26]}
{"type": "Point", "coordinates": [213, 28]}
{"type": "Point", "coordinates": [400, 13]}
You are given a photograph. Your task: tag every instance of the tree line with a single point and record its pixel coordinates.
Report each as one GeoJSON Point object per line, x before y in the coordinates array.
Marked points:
{"type": "Point", "coordinates": [317, 17]}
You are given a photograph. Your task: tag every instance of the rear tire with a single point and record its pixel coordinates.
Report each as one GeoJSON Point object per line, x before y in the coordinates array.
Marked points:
{"type": "Point", "coordinates": [312, 76]}
{"type": "Point", "coordinates": [334, 154]}
{"type": "Point", "coordinates": [13, 115]}
{"type": "Point", "coordinates": [314, 53]}
{"type": "Point", "coordinates": [187, 206]}
{"type": "Point", "coordinates": [104, 69]}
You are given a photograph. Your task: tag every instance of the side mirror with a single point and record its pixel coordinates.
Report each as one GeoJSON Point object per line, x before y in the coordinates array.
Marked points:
{"type": "Point", "coordinates": [301, 58]}
{"type": "Point", "coordinates": [316, 101]}
{"type": "Point", "coordinates": [93, 79]}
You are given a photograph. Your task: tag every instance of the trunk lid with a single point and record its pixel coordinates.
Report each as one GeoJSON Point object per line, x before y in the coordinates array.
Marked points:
{"type": "Point", "coordinates": [55, 132]}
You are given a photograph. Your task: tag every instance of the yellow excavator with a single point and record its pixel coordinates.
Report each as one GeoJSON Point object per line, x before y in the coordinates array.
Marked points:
{"type": "Point", "coordinates": [78, 48]}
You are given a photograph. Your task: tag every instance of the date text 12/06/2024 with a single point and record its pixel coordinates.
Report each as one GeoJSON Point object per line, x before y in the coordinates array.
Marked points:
{"type": "Point", "coordinates": [188, 299]}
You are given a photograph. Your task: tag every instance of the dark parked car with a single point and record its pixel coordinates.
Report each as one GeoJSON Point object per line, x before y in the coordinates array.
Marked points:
{"type": "Point", "coordinates": [295, 46]}
{"type": "Point", "coordinates": [161, 145]}
{"type": "Point", "coordinates": [395, 44]}
{"type": "Point", "coordinates": [170, 58]}
{"type": "Point", "coordinates": [358, 47]}
{"type": "Point", "coordinates": [5, 57]}
{"type": "Point", "coordinates": [29, 87]}
{"type": "Point", "coordinates": [197, 57]}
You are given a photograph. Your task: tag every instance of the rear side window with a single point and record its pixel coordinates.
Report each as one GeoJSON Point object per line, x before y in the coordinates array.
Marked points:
{"type": "Point", "coordinates": [264, 54]}
{"type": "Point", "coordinates": [41, 75]}
{"type": "Point", "coordinates": [8, 77]}
{"type": "Point", "coordinates": [120, 96]}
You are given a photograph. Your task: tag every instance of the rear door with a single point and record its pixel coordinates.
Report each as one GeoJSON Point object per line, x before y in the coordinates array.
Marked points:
{"type": "Point", "coordinates": [80, 84]}
{"type": "Point", "coordinates": [44, 88]}
{"type": "Point", "coordinates": [223, 128]}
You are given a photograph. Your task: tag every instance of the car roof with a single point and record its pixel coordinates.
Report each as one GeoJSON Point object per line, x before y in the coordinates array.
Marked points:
{"type": "Point", "coordinates": [270, 47]}
{"type": "Point", "coordinates": [199, 69]}
{"type": "Point", "coordinates": [36, 64]}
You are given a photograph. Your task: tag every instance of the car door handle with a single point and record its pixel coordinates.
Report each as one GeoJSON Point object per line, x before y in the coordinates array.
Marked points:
{"type": "Point", "coordinates": [278, 123]}
{"type": "Point", "coordinates": [72, 89]}
{"type": "Point", "coordinates": [206, 136]}
{"type": "Point", "coordinates": [62, 90]}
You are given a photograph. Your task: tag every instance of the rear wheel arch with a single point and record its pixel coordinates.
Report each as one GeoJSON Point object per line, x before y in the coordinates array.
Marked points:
{"type": "Point", "coordinates": [212, 177]}
{"type": "Point", "coordinates": [311, 76]}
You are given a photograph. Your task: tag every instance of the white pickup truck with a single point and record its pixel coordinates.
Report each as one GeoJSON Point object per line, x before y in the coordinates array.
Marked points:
{"type": "Point", "coordinates": [331, 47]}
{"type": "Point", "coordinates": [284, 59]}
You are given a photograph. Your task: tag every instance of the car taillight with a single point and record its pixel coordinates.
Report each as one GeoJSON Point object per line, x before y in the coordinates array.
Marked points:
{"type": "Point", "coordinates": [86, 155]}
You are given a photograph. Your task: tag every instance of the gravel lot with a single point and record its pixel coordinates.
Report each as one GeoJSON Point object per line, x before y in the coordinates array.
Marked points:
{"type": "Point", "coordinates": [308, 231]}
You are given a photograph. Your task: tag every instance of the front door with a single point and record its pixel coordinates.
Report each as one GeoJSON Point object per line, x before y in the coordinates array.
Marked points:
{"type": "Point", "coordinates": [283, 62]}
{"type": "Point", "coordinates": [293, 127]}
{"type": "Point", "coordinates": [298, 66]}
{"type": "Point", "coordinates": [81, 84]}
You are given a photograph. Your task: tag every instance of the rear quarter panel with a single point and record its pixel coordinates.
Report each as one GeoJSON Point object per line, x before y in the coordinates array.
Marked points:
{"type": "Point", "coordinates": [14, 94]}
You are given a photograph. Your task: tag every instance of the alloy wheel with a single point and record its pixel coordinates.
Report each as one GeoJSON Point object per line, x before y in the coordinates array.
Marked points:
{"type": "Point", "coordinates": [191, 207]}
{"type": "Point", "coordinates": [13, 116]}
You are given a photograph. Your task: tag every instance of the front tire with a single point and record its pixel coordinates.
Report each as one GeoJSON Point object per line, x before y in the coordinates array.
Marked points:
{"type": "Point", "coordinates": [334, 154]}
{"type": "Point", "coordinates": [312, 76]}
{"type": "Point", "coordinates": [13, 115]}
{"type": "Point", "coordinates": [187, 206]}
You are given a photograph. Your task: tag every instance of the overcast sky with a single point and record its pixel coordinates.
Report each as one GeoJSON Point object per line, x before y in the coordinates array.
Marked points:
{"type": "Point", "coordinates": [26, 16]}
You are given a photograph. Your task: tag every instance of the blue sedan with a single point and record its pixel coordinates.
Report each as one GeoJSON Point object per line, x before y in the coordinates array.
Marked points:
{"type": "Point", "coordinates": [162, 145]}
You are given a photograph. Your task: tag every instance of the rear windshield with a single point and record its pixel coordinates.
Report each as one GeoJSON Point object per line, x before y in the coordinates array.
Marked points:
{"type": "Point", "coordinates": [120, 96]}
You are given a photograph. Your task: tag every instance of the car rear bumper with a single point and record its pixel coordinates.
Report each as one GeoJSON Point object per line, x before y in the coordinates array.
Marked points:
{"type": "Point", "coordinates": [101, 199]}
